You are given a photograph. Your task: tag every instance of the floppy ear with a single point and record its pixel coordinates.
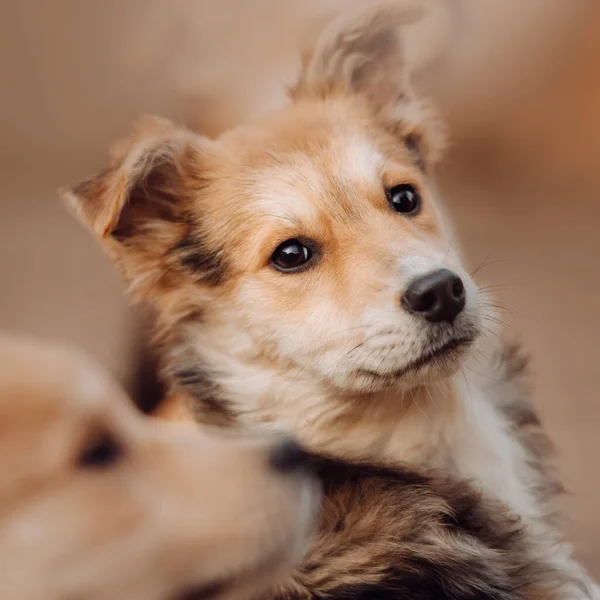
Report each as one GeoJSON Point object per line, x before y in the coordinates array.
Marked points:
{"type": "Point", "coordinates": [361, 55]}
{"type": "Point", "coordinates": [141, 207]}
{"type": "Point", "coordinates": [144, 183]}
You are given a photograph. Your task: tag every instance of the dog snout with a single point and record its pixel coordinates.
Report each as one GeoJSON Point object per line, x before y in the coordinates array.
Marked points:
{"type": "Point", "coordinates": [438, 296]}
{"type": "Point", "coordinates": [288, 456]}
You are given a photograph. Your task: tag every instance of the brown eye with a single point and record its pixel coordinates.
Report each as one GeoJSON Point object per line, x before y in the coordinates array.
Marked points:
{"type": "Point", "coordinates": [405, 199]}
{"type": "Point", "coordinates": [100, 452]}
{"type": "Point", "coordinates": [290, 256]}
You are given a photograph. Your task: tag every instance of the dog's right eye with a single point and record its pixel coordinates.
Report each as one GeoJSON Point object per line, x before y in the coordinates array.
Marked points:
{"type": "Point", "coordinates": [405, 199]}
{"type": "Point", "coordinates": [290, 256]}
{"type": "Point", "coordinates": [100, 452]}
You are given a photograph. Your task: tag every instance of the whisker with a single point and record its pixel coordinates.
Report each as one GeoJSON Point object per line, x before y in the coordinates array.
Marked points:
{"type": "Point", "coordinates": [487, 330]}
{"type": "Point", "coordinates": [468, 387]}
{"type": "Point", "coordinates": [477, 359]}
{"type": "Point", "coordinates": [500, 307]}
{"type": "Point", "coordinates": [449, 246]}
{"type": "Point", "coordinates": [500, 286]}
{"type": "Point", "coordinates": [500, 322]}
{"type": "Point", "coordinates": [330, 337]}
{"type": "Point", "coordinates": [416, 403]}
{"type": "Point", "coordinates": [488, 264]}
{"type": "Point", "coordinates": [432, 400]}
{"type": "Point", "coordinates": [483, 375]}
{"type": "Point", "coordinates": [485, 356]}
{"type": "Point", "coordinates": [360, 345]}
{"type": "Point", "coordinates": [369, 339]}
{"type": "Point", "coordinates": [367, 357]}
{"type": "Point", "coordinates": [390, 350]}
{"type": "Point", "coordinates": [483, 264]}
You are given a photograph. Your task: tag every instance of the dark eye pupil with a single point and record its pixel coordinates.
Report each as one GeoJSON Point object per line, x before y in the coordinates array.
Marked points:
{"type": "Point", "coordinates": [404, 199]}
{"type": "Point", "coordinates": [101, 451]}
{"type": "Point", "coordinates": [291, 255]}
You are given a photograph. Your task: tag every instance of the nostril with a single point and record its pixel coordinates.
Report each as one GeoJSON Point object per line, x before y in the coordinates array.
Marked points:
{"type": "Point", "coordinates": [427, 301]}
{"type": "Point", "coordinates": [419, 300]}
{"type": "Point", "coordinates": [287, 456]}
{"type": "Point", "coordinates": [458, 288]}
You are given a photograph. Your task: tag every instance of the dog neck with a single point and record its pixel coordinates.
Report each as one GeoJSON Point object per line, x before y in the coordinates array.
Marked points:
{"type": "Point", "coordinates": [399, 426]}
{"type": "Point", "coordinates": [392, 426]}
{"type": "Point", "coordinates": [453, 424]}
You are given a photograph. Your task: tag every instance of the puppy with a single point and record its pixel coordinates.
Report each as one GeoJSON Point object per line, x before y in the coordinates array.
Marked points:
{"type": "Point", "coordinates": [306, 280]}
{"type": "Point", "coordinates": [100, 503]}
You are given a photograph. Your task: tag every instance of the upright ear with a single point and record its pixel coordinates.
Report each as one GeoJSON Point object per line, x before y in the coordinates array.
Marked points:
{"type": "Point", "coordinates": [141, 206]}
{"type": "Point", "coordinates": [361, 55]}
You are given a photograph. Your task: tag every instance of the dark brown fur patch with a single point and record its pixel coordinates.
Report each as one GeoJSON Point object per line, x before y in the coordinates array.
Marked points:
{"type": "Point", "coordinates": [95, 187]}
{"type": "Point", "coordinates": [147, 389]}
{"type": "Point", "coordinates": [190, 377]}
{"type": "Point", "coordinates": [512, 394]}
{"type": "Point", "coordinates": [204, 265]}
{"type": "Point", "coordinates": [414, 147]}
{"type": "Point", "coordinates": [395, 533]}
{"type": "Point", "coordinates": [412, 140]}
{"type": "Point", "coordinates": [150, 199]}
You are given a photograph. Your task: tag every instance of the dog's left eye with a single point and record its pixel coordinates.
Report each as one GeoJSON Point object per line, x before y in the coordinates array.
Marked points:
{"type": "Point", "coordinates": [404, 199]}
{"type": "Point", "coordinates": [290, 256]}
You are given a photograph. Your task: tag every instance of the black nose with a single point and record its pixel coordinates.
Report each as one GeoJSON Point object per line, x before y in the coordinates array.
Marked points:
{"type": "Point", "coordinates": [287, 456]}
{"type": "Point", "coordinates": [437, 296]}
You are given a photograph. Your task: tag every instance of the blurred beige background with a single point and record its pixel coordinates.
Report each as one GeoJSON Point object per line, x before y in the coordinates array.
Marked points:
{"type": "Point", "coordinates": [519, 83]}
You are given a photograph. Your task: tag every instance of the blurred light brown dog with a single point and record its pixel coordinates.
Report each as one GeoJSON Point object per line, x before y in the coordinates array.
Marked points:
{"type": "Point", "coordinates": [102, 504]}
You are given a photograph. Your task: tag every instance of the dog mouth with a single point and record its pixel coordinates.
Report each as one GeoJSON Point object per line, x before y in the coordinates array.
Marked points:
{"type": "Point", "coordinates": [439, 356]}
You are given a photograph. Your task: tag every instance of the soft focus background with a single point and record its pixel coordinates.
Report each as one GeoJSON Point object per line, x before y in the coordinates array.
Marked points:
{"type": "Point", "coordinates": [518, 82]}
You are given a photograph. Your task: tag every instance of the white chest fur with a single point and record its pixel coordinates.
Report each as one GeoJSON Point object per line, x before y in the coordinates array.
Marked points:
{"type": "Point", "coordinates": [457, 427]}
{"type": "Point", "coordinates": [483, 449]}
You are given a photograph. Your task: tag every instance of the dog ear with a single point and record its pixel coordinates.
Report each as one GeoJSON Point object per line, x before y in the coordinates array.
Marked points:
{"type": "Point", "coordinates": [145, 184]}
{"type": "Point", "coordinates": [361, 55]}
{"type": "Point", "coordinates": [142, 208]}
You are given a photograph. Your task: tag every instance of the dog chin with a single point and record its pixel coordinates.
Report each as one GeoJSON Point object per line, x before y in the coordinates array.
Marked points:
{"type": "Point", "coordinates": [435, 363]}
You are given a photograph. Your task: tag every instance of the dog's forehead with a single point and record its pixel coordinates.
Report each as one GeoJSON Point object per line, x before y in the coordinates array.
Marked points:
{"type": "Point", "coordinates": [314, 156]}
{"type": "Point", "coordinates": [317, 131]}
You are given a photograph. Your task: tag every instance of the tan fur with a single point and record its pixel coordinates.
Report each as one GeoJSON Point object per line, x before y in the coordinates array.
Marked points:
{"type": "Point", "coordinates": [139, 527]}
{"type": "Point", "coordinates": [326, 353]}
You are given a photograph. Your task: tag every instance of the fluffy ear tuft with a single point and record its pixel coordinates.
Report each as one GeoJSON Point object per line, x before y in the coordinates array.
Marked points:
{"type": "Point", "coordinates": [361, 54]}
{"type": "Point", "coordinates": [144, 181]}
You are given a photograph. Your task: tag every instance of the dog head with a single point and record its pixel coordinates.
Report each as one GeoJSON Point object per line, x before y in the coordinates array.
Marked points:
{"type": "Point", "coordinates": [99, 502]}
{"type": "Point", "coordinates": [309, 243]}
